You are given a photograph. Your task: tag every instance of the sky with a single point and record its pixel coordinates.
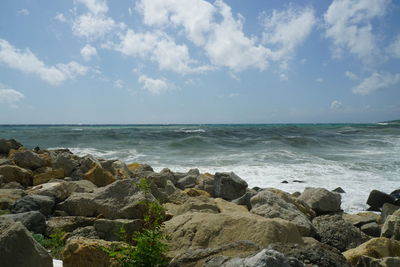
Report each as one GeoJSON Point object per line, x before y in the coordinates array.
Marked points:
{"type": "Point", "coordinates": [198, 61]}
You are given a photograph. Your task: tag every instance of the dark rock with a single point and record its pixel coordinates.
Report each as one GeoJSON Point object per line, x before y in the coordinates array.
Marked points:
{"type": "Point", "coordinates": [44, 204]}
{"type": "Point", "coordinates": [376, 199]}
{"type": "Point", "coordinates": [228, 186]}
{"type": "Point", "coordinates": [284, 182]}
{"type": "Point", "coordinates": [298, 181]}
{"type": "Point", "coordinates": [371, 229]}
{"type": "Point", "coordinates": [396, 194]}
{"type": "Point", "coordinates": [321, 200]}
{"type": "Point", "coordinates": [18, 248]}
{"type": "Point", "coordinates": [7, 145]}
{"type": "Point", "coordinates": [34, 221]}
{"type": "Point", "coordinates": [339, 190]}
{"type": "Point", "coordinates": [245, 199]}
{"type": "Point", "coordinates": [338, 233]}
{"type": "Point", "coordinates": [28, 160]}
{"type": "Point", "coordinates": [14, 173]}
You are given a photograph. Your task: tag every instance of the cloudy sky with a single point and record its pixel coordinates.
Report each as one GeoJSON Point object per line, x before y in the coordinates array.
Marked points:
{"type": "Point", "coordinates": [198, 61]}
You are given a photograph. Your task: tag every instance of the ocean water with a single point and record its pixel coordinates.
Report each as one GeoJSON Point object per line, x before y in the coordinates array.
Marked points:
{"type": "Point", "coordinates": [356, 157]}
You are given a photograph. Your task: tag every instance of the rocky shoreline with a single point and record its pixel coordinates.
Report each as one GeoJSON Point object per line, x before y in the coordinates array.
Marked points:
{"type": "Point", "coordinates": [211, 219]}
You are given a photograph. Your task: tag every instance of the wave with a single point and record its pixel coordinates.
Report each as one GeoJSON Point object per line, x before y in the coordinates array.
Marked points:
{"type": "Point", "coordinates": [190, 131]}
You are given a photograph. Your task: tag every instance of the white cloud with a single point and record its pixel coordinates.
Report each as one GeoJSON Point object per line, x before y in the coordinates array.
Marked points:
{"type": "Point", "coordinates": [154, 86]}
{"type": "Point", "coordinates": [375, 82]}
{"type": "Point", "coordinates": [88, 52]}
{"type": "Point", "coordinates": [23, 11]}
{"type": "Point", "coordinates": [349, 26]}
{"type": "Point", "coordinates": [92, 26]}
{"type": "Point", "coordinates": [351, 76]}
{"type": "Point", "coordinates": [26, 61]}
{"type": "Point", "coordinates": [394, 48]}
{"type": "Point", "coordinates": [336, 105]}
{"type": "Point", "coordinates": [233, 95]}
{"type": "Point", "coordinates": [283, 77]}
{"type": "Point", "coordinates": [287, 29]}
{"type": "Point", "coordinates": [319, 80]}
{"type": "Point", "coordinates": [119, 84]}
{"type": "Point", "coordinates": [95, 6]}
{"type": "Point", "coordinates": [10, 96]}
{"type": "Point", "coordinates": [60, 17]}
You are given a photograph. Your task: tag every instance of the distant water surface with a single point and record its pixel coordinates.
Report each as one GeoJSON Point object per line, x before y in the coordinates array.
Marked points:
{"type": "Point", "coordinates": [356, 157]}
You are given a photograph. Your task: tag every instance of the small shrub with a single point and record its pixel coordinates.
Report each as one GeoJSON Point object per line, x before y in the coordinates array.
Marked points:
{"type": "Point", "coordinates": [55, 243]}
{"type": "Point", "coordinates": [2, 212]}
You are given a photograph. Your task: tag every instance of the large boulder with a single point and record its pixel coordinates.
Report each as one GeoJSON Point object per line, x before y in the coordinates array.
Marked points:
{"type": "Point", "coordinates": [65, 160]}
{"type": "Point", "coordinates": [18, 248]}
{"type": "Point", "coordinates": [42, 178]}
{"type": "Point", "coordinates": [14, 173]}
{"type": "Point", "coordinates": [34, 221]}
{"type": "Point", "coordinates": [81, 186]}
{"type": "Point", "coordinates": [377, 198]}
{"type": "Point", "coordinates": [377, 248]}
{"type": "Point", "coordinates": [228, 186]}
{"type": "Point", "coordinates": [7, 145]}
{"type": "Point", "coordinates": [338, 233]}
{"type": "Point", "coordinates": [56, 189]}
{"type": "Point", "coordinates": [99, 176]}
{"type": "Point", "coordinates": [388, 209]}
{"type": "Point", "coordinates": [44, 204]}
{"type": "Point", "coordinates": [206, 182]}
{"type": "Point", "coordinates": [209, 230]}
{"type": "Point", "coordinates": [119, 200]}
{"type": "Point", "coordinates": [28, 160]}
{"type": "Point", "coordinates": [312, 253]}
{"type": "Point", "coordinates": [270, 205]}
{"type": "Point", "coordinates": [84, 252]}
{"type": "Point", "coordinates": [9, 196]}
{"type": "Point", "coordinates": [391, 227]}
{"type": "Point", "coordinates": [117, 230]}
{"type": "Point", "coordinates": [117, 168]}
{"type": "Point", "coordinates": [321, 200]}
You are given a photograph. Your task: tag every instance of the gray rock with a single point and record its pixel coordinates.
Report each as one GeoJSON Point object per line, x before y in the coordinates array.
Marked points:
{"type": "Point", "coordinates": [55, 189]}
{"type": "Point", "coordinates": [87, 232]}
{"type": "Point", "coordinates": [14, 173]}
{"type": "Point", "coordinates": [12, 185]}
{"type": "Point", "coordinates": [28, 160]}
{"type": "Point", "coordinates": [18, 248]}
{"type": "Point", "coordinates": [371, 229]}
{"type": "Point", "coordinates": [365, 261]}
{"type": "Point", "coordinates": [338, 233]}
{"type": "Point", "coordinates": [117, 230]}
{"type": "Point", "coordinates": [87, 162]}
{"type": "Point", "coordinates": [67, 162]}
{"type": "Point", "coordinates": [205, 182]}
{"type": "Point", "coordinates": [118, 169]}
{"type": "Point", "coordinates": [9, 196]}
{"type": "Point", "coordinates": [68, 223]}
{"type": "Point", "coordinates": [391, 227]}
{"type": "Point", "coordinates": [44, 204]}
{"type": "Point", "coordinates": [6, 162]}
{"type": "Point", "coordinates": [7, 145]}
{"type": "Point", "coordinates": [245, 199]}
{"type": "Point", "coordinates": [228, 186]}
{"type": "Point", "coordinates": [388, 209]}
{"type": "Point", "coordinates": [81, 186]}
{"type": "Point", "coordinates": [34, 221]}
{"type": "Point", "coordinates": [119, 200]}
{"type": "Point", "coordinates": [376, 199]}
{"type": "Point", "coordinates": [269, 205]}
{"type": "Point", "coordinates": [321, 200]}
{"type": "Point", "coordinates": [189, 181]}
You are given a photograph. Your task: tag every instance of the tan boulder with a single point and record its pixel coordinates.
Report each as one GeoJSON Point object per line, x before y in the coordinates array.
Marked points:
{"type": "Point", "coordinates": [361, 218]}
{"type": "Point", "coordinates": [194, 192]}
{"type": "Point", "coordinates": [99, 176]}
{"type": "Point", "coordinates": [9, 196]}
{"type": "Point", "coordinates": [208, 230]}
{"type": "Point", "coordinates": [14, 173]}
{"type": "Point", "coordinates": [84, 252]}
{"type": "Point", "coordinates": [47, 176]}
{"type": "Point", "coordinates": [377, 248]}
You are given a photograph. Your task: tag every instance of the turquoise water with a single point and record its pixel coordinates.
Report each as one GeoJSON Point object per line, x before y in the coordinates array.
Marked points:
{"type": "Point", "coordinates": [357, 157]}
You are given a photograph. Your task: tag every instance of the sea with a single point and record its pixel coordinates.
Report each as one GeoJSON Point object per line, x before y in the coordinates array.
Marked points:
{"type": "Point", "coordinates": [356, 157]}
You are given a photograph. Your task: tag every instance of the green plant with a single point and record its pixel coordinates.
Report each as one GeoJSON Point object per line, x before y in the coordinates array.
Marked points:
{"type": "Point", "coordinates": [149, 247]}
{"type": "Point", "coordinates": [55, 243]}
{"type": "Point", "coordinates": [2, 212]}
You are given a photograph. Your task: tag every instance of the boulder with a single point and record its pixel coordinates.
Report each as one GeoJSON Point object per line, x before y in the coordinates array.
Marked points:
{"type": "Point", "coordinates": [245, 199]}
{"type": "Point", "coordinates": [47, 176]}
{"type": "Point", "coordinates": [117, 230]}
{"type": "Point", "coordinates": [338, 233]}
{"type": "Point", "coordinates": [189, 181]}
{"type": "Point", "coordinates": [67, 161]}
{"type": "Point", "coordinates": [396, 194]}
{"type": "Point", "coordinates": [391, 227]}
{"type": "Point", "coordinates": [312, 253]}
{"type": "Point", "coordinates": [57, 190]}
{"type": "Point", "coordinates": [87, 162]}
{"type": "Point", "coordinates": [12, 185]}
{"type": "Point", "coordinates": [14, 173]}
{"type": "Point", "coordinates": [193, 192]}
{"type": "Point", "coordinates": [321, 200]}
{"type": "Point", "coordinates": [228, 186]}
{"type": "Point", "coordinates": [117, 168]}
{"type": "Point", "coordinates": [84, 252]}
{"type": "Point", "coordinates": [209, 230]}
{"type": "Point", "coordinates": [206, 182]}
{"type": "Point", "coordinates": [99, 176]}
{"type": "Point", "coordinates": [269, 205]}
{"type": "Point", "coordinates": [365, 261]}
{"type": "Point", "coordinates": [371, 229]}
{"type": "Point", "coordinates": [388, 209]}
{"type": "Point", "coordinates": [82, 186]}
{"type": "Point", "coordinates": [119, 200]}
{"type": "Point", "coordinates": [9, 196]}
{"type": "Point", "coordinates": [44, 204]}
{"type": "Point", "coordinates": [376, 199]}
{"type": "Point", "coordinates": [266, 257]}
{"type": "Point", "coordinates": [361, 218]}
{"type": "Point", "coordinates": [68, 223]}
{"type": "Point", "coordinates": [86, 232]}
{"type": "Point", "coordinates": [379, 247]}
{"type": "Point", "coordinates": [34, 221]}
{"type": "Point", "coordinates": [18, 248]}
{"type": "Point", "coordinates": [7, 145]}
{"type": "Point", "coordinates": [28, 160]}
{"type": "Point", "coordinates": [6, 162]}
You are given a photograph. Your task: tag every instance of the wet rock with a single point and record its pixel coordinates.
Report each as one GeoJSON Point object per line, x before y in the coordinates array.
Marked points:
{"type": "Point", "coordinates": [28, 160]}
{"type": "Point", "coordinates": [7, 145]}
{"type": "Point", "coordinates": [228, 186]}
{"type": "Point", "coordinates": [376, 199]}
{"type": "Point", "coordinates": [18, 248]}
{"type": "Point", "coordinates": [338, 233]}
{"type": "Point", "coordinates": [339, 190]}
{"type": "Point", "coordinates": [321, 200]}
{"type": "Point", "coordinates": [9, 196]}
{"type": "Point", "coordinates": [396, 194]}
{"type": "Point", "coordinates": [44, 204]}
{"type": "Point", "coordinates": [14, 173]}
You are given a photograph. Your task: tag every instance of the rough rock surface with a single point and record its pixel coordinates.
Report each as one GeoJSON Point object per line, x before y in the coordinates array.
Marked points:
{"type": "Point", "coordinates": [388, 209]}
{"type": "Point", "coordinates": [99, 176]}
{"type": "Point", "coordinates": [338, 233]}
{"type": "Point", "coordinates": [28, 160]}
{"type": "Point", "coordinates": [68, 223]}
{"type": "Point", "coordinates": [229, 186]}
{"type": "Point", "coordinates": [391, 227]}
{"type": "Point", "coordinates": [377, 248]}
{"type": "Point", "coordinates": [376, 199]}
{"type": "Point", "coordinates": [366, 261]}
{"type": "Point", "coordinates": [9, 196]}
{"type": "Point", "coordinates": [14, 173]}
{"type": "Point", "coordinates": [42, 178]}
{"type": "Point", "coordinates": [57, 190]}
{"type": "Point", "coordinates": [18, 248]}
{"type": "Point", "coordinates": [44, 204]}
{"type": "Point", "coordinates": [110, 230]}
{"type": "Point", "coordinates": [34, 221]}
{"type": "Point", "coordinates": [321, 200]}
{"type": "Point", "coordinates": [7, 145]}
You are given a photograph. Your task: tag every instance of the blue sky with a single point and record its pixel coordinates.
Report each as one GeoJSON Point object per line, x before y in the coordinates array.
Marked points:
{"type": "Point", "coordinates": [197, 61]}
